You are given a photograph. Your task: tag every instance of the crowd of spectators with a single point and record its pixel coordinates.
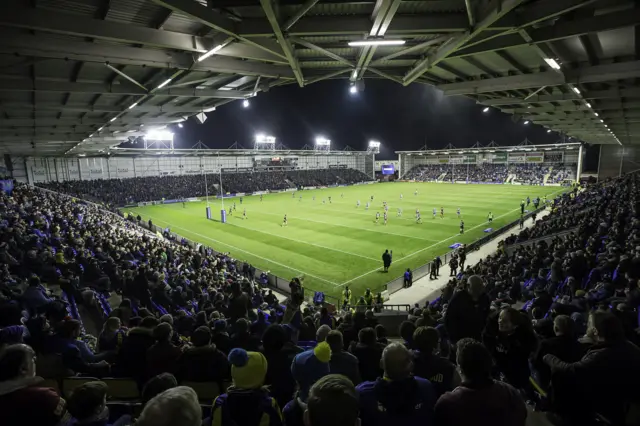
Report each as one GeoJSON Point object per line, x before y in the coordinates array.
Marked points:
{"type": "Point", "coordinates": [529, 174]}
{"type": "Point", "coordinates": [487, 173]}
{"type": "Point", "coordinates": [193, 315]}
{"type": "Point", "coordinates": [561, 174]}
{"type": "Point", "coordinates": [120, 192]}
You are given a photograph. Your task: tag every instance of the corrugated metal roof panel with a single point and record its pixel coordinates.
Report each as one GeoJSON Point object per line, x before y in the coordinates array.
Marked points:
{"type": "Point", "coordinates": [87, 8]}
{"type": "Point", "coordinates": [183, 24]}
{"type": "Point", "coordinates": [140, 12]}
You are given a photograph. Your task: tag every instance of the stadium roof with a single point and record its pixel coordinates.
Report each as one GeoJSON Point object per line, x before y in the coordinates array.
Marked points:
{"type": "Point", "coordinates": [74, 70]}
{"type": "Point", "coordinates": [495, 148]}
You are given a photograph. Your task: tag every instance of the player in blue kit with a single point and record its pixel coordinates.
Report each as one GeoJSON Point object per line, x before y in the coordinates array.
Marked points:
{"type": "Point", "coordinates": [435, 212]}
{"type": "Point", "coordinates": [366, 207]}
{"type": "Point", "coordinates": [418, 218]}
{"type": "Point", "coordinates": [358, 203]}
{"type": "Point", "coordinates": [458, 211]}
{"type": "Point", "coordinates": [377, 217]}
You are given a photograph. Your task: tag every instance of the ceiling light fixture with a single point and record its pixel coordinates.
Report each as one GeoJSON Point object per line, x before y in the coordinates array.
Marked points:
{"type": "Point", "coordinates": [376, 42]}
{"type": "Point", "coordinates": [575, 89]}
{"type": "Point", "coordinates": [552, 63]}
{"type": "Point", "coordinates": [164, 83]}
{"type": "Point", "coordinates": [211, 52]}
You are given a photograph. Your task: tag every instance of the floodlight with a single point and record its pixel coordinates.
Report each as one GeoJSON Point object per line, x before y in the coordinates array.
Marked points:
{"type": "Point", "coordinates": [552, 63]}
{"type": "Point", "coordinates": [322, 141]}
{"type": "Point", "coordinates": [588, 105]}
{"type": "Point", "coordinates": [100, 129]}
{"type": "Point", "coordinates": [548, 130]}
{"type": "Point", "coordinates": [374, 144]}
{"type": "Point", "coordinates": [353, 89]}
{"type": "Point", "coordinates": [526, 122]}
{"type": "Point", "coordinates": [486, 109]}
{"type": "Point", "coordinates": [133, 105]}
{"type": "Point", "coordinates": [245, 103]}
{"type": "Point", "coordinates": [113, 119]}
{"type": "Point", "coordinates": [575, 89]}
{"type": "Point", "coordinates": [180, 125]}
{"type": "Point", "coordinates": [211, 52]}
{"type": "Point", "coordinates": [262, 138]}
{"type": "Point", "coordinates": [159, 135]}
{"type": "Point", "coordinates": [164, 83]}
{"type": "Point", "coordinates": [376, 42]}
{"type": "Point", "coordinates": [596, 114]}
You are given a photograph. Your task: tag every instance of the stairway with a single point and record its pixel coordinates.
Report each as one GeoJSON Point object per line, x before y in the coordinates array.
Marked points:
{"type": "Point", "coordinates": [547, 176]}
{"type": "Point", "coordinates": [441, 177]}
{"type": "Point", "coordinates": [511, 178]}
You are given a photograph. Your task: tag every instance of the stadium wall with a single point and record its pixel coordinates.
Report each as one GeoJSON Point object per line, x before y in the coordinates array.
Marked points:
{"type": "Point", "coordinates": [46, 169]}
{"type": "Point", "coordinates": [616, 160]}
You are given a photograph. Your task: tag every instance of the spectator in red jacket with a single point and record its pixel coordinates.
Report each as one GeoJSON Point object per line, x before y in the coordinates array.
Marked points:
{"type": "Point", "coordinates": [22, 401]}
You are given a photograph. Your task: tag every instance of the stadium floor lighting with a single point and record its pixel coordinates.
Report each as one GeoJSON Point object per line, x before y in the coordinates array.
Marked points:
{"type": "Point", "coordinates": [552, 63]}
{"type": "Point", "coordinates": [245, 103]}
{"type": "Point", "coordinates": [486, 109]}
{"type": "Point", "coordinates": [164, 83]}
{"type": "Point", "coordinates": [376, 42]}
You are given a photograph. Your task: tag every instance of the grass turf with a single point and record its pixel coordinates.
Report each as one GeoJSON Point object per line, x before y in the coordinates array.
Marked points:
{"type": "Point", "coordinates": [337, 244]}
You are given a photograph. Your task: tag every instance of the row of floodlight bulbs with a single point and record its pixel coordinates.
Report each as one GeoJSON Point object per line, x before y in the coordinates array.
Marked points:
{"type": "Point", "coordinates": [320, 140]}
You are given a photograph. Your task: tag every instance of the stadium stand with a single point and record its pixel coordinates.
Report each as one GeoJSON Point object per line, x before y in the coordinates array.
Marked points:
{"type": "Point", "coordinates": [528, 174]}
{"type": "Point", "coordinates": [119, 192]}
{"type": "Point", "coordinates": [555, 323]}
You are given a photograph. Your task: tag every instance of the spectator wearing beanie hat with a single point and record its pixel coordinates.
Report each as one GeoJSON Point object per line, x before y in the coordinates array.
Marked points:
{"type": "Point", "coordinates": [307, 368]}
{"type": "Point", "coordinates": [246, 402]}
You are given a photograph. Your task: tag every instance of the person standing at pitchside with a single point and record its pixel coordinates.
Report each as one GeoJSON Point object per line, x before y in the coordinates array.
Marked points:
{"type": "Point", "coordinates": [386, 259]}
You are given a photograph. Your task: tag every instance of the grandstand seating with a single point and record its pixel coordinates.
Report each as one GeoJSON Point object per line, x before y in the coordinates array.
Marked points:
{"type": "Point", "coordinates": [530, 174]}
{"type": "Point", "coordinates": [597, 267]}
{"type": "Point", "coordinates": [119, 192]}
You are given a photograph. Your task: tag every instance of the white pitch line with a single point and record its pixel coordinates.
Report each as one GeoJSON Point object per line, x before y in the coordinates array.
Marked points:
{"type": "Point", "coordinates": [427, 248]}
{"type": "Point", "coordinates": [248, 252]}
{"type": "Point", "coordinates": [300, 241]}
{"type": "Point", "coordinates": [344, 226]}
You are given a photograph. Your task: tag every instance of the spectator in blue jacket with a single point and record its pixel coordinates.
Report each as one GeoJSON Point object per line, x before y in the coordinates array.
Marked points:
{"type": "Point", "coordinates": [398, 397]}
{"type": "Point", "coordinates": [34, 296]}
{"type": "Point", "coordinates": [307, 368]}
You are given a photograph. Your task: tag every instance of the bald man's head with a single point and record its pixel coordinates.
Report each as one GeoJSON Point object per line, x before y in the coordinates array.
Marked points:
{"type": "Point", "coordinates": [397, 361]}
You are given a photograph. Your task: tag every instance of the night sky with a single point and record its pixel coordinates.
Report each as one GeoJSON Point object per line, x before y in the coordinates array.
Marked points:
{"type": "Point", "coordinates": [402, 118]}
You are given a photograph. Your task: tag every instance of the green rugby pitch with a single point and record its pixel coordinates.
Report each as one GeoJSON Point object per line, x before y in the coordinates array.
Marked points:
{"type": "Point", "coordinates": [336, 244]}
